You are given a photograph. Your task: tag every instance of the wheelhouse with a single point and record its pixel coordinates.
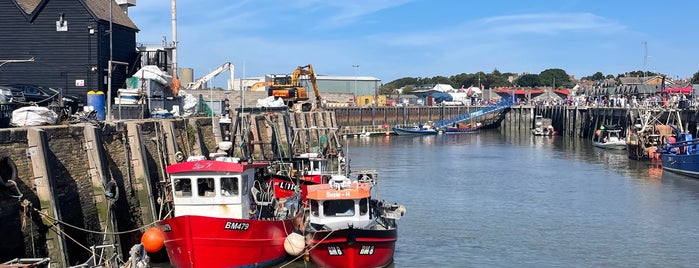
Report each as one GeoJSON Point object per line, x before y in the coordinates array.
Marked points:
{"type": "Point", "coordinates": [213, 188]}
{"type": "Point", "coordinates": [339, 203]}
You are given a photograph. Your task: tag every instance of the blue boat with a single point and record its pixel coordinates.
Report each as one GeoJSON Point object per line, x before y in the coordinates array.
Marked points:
{"type": "Point", "coordinates": [414, 130]}
{"type": "Point", "coordinates": [682, 156]}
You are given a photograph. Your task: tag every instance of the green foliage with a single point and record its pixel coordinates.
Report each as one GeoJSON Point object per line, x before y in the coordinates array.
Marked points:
{"type": "Point", "coordinates": [388, 89]}
{"type": "Point", "coordinates": [555, 77]}
{"type": "Point", "coordinates": [695, 78]}
{"type": "Point", "coordinates": [598, 76]}
{"type": "Point", "coordinates": [529, 80]}
{"type": "Point", "coordinates": [408, 89]}
{"type": "Point", "coordinates": [497, 79]}
{"type": "Point", "coordinates": [638, 73]}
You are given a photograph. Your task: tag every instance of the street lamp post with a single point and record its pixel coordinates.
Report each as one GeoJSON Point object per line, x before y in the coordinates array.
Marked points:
{"type": "Point", "coordinates": [356, 68]}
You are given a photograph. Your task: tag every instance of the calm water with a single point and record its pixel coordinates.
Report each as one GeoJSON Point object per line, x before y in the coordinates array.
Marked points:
{"type": "Point", "coordinates": [513, 200]}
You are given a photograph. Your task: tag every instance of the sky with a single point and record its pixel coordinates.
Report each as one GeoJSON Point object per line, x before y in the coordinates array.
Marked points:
{"type": "Point", "coordinates": [392, 39]}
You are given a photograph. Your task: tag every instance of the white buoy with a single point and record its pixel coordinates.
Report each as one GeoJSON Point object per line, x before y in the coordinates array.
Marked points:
{"type": "Point", "coordinates": [294, 244]}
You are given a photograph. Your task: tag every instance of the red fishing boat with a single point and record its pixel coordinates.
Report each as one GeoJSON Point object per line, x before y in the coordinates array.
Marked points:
{"type": "Point", "coordinates": [226, 215]}
{"type": "Point", "coordinates": [305, 169]}
{"type": "Point", "coordinates": [349, 228]}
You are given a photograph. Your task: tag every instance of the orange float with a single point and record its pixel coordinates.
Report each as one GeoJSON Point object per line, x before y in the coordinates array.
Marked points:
{"type": "Point", "coordinates": [153, 239]}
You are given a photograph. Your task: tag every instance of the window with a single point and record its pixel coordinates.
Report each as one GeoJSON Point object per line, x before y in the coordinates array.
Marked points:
{"type": "Point", "coordinates": [183, 187]}
{"type": "Point", "coordinates": [229, 186]}
{"type": "Point", "coordinates": [314, 207]}
{"type": "Point", "coordinates": [332, 208]}
{"type": "Point", "coordinates": [205, 187]}
{"type": "Point", "coordinates": [244, 184]}
{"type": "Point", "coordinates": [363, 206]}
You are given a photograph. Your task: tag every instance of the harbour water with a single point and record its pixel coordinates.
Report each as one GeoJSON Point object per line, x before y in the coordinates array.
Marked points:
{"type": "Point", "coordinates": [497, 199]}
{"type": "Point", "coordinates": [513, 200]}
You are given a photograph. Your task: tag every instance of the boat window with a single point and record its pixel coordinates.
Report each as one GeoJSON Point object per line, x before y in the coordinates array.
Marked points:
{"type": "Point", "coordinates": [183, 187]}
{"type": "Point", "coordinates": [363, 206]}
{"type": "Point", "coordinates": [205, 187]}
{"type": "Point", "coordinates": [333, 208]}
{"type": "Point", "coordinates": [244, 184]}
{"type": "Point", "coordinates": [229, 186]}
{"type": "Point", "coordinates": [314, 207]}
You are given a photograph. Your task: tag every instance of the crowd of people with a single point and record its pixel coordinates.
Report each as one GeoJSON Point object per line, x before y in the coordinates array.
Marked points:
{"type": "Point", "coordinates": [681, 101]}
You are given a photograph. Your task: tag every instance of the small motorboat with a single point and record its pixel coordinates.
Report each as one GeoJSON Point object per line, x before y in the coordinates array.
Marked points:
{"type": "Point", "coordinates": [609, 137]}
{"type": "Point", "coordinates": [418, 129]}
{"type": "Point", "coordinates": [463, 128]}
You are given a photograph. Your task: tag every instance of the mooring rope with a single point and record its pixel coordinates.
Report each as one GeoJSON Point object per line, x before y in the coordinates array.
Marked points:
{"type": "Point", "coordinates": [92, 231]}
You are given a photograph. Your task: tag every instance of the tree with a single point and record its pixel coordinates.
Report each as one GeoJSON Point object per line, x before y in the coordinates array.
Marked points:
{"type": "Point", "coordinates": [559, 77]}
{"type": "Point", "coordinates": [529, 80]}
{"type": "Point", "coordinates": [440, 80]}
{"type": "Point", "coordinates": [387, 89]}
{"type": "Point", "coordinates": [695, 78]}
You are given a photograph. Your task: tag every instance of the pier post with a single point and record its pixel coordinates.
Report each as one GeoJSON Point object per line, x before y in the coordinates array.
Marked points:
{"type": "Point", "coordinates": [104, 188]}
{"type": "Point", "coordinates": [37, 146]}
{"type": "Point", "coordinates": [143, 184]}
{"type": "Point", "coordinates": [171, 147]}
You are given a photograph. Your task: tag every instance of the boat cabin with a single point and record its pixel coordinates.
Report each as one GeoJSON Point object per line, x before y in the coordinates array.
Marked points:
{"type": "Point", "coordinates": [538, 121]}
{"type": "Point", "coordinates": [214, 188]}
{"type": "Point", "coordinates": [340, 202]}
{"type": "Point", "coordinates": [312, 165]}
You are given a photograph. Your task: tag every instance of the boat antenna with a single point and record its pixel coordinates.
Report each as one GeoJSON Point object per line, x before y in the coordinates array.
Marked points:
{"type": "Point", "coordinates": [242, 92]}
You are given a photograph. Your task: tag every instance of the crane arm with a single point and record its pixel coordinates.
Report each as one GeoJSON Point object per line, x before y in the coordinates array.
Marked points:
{"type": "Point", "coordinates": [197, 84]}
{"type": "Point", "coordinates": [308, 71]}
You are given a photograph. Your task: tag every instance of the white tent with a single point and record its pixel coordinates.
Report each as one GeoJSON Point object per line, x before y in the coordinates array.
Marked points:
{"type": "Point", "coordinates": [443, 88]}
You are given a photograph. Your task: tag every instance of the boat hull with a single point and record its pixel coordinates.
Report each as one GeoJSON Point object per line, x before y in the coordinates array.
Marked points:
{"type": "Point", "coordinates": [684, 164]}
{"type": "Point", "coordinates": [353, 247]}
{"type": "Point", "coordinates": [455, 130]}
{"type": "Point", "coordinates": [199, 241]}
{"type": "Point", "coordinates": [410, 132]}
{"type": "Point", "coordinates": [610, 145]}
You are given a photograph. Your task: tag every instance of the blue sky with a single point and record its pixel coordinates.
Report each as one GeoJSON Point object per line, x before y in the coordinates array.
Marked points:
{"type": "Point", "coordinates": [391, 39]}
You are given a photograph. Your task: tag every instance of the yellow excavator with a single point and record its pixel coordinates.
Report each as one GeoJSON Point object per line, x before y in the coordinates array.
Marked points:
{"type": "Point", "coordinates": [290, 89]}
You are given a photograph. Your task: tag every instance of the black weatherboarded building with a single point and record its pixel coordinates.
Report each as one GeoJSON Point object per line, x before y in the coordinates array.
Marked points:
{"type": "Point", "coordinates": [69, 43]}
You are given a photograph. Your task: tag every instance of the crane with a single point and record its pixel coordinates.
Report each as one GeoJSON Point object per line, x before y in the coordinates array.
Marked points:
{"type": "Point", "coordinates": [289, 88]}
{"type": "Point", "coordinates": [226, 66]}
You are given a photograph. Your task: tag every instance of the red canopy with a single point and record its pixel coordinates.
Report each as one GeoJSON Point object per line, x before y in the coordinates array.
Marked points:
{"type": "Point", "coordinates": [564, 93]}
{"type": "Point", "coordinates": [683, 90]}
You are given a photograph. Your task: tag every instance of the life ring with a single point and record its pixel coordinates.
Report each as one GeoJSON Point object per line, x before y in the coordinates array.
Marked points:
{"type": "Point", "coordinates": [179, 156]}
{"type": "Point", "coordinates": [8, 170]}
{"type": "Point", "coordinates": [112, 190]}
{"type": "Point", "coordinates": [365, 178]}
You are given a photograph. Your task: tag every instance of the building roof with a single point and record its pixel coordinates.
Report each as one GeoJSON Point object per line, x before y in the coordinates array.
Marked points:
{"type": "Point", "coordinates": [346, 78]}
{"type": "Point", "coordinates": [99, 8]}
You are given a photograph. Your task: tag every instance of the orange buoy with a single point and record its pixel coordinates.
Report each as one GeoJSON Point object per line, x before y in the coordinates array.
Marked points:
{"type": "Point", "coordinates": [153, 239]}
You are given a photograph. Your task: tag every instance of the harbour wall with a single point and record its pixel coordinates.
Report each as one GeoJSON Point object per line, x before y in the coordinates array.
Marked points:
{"type": "Point", "coordinates": [84, 185]}
{"type": "Point", "coordinates": [570, 121]}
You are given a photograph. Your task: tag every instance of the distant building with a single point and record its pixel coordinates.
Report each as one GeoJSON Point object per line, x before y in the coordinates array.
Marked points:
{"type": "Point", "coordinates": [69, 42]}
